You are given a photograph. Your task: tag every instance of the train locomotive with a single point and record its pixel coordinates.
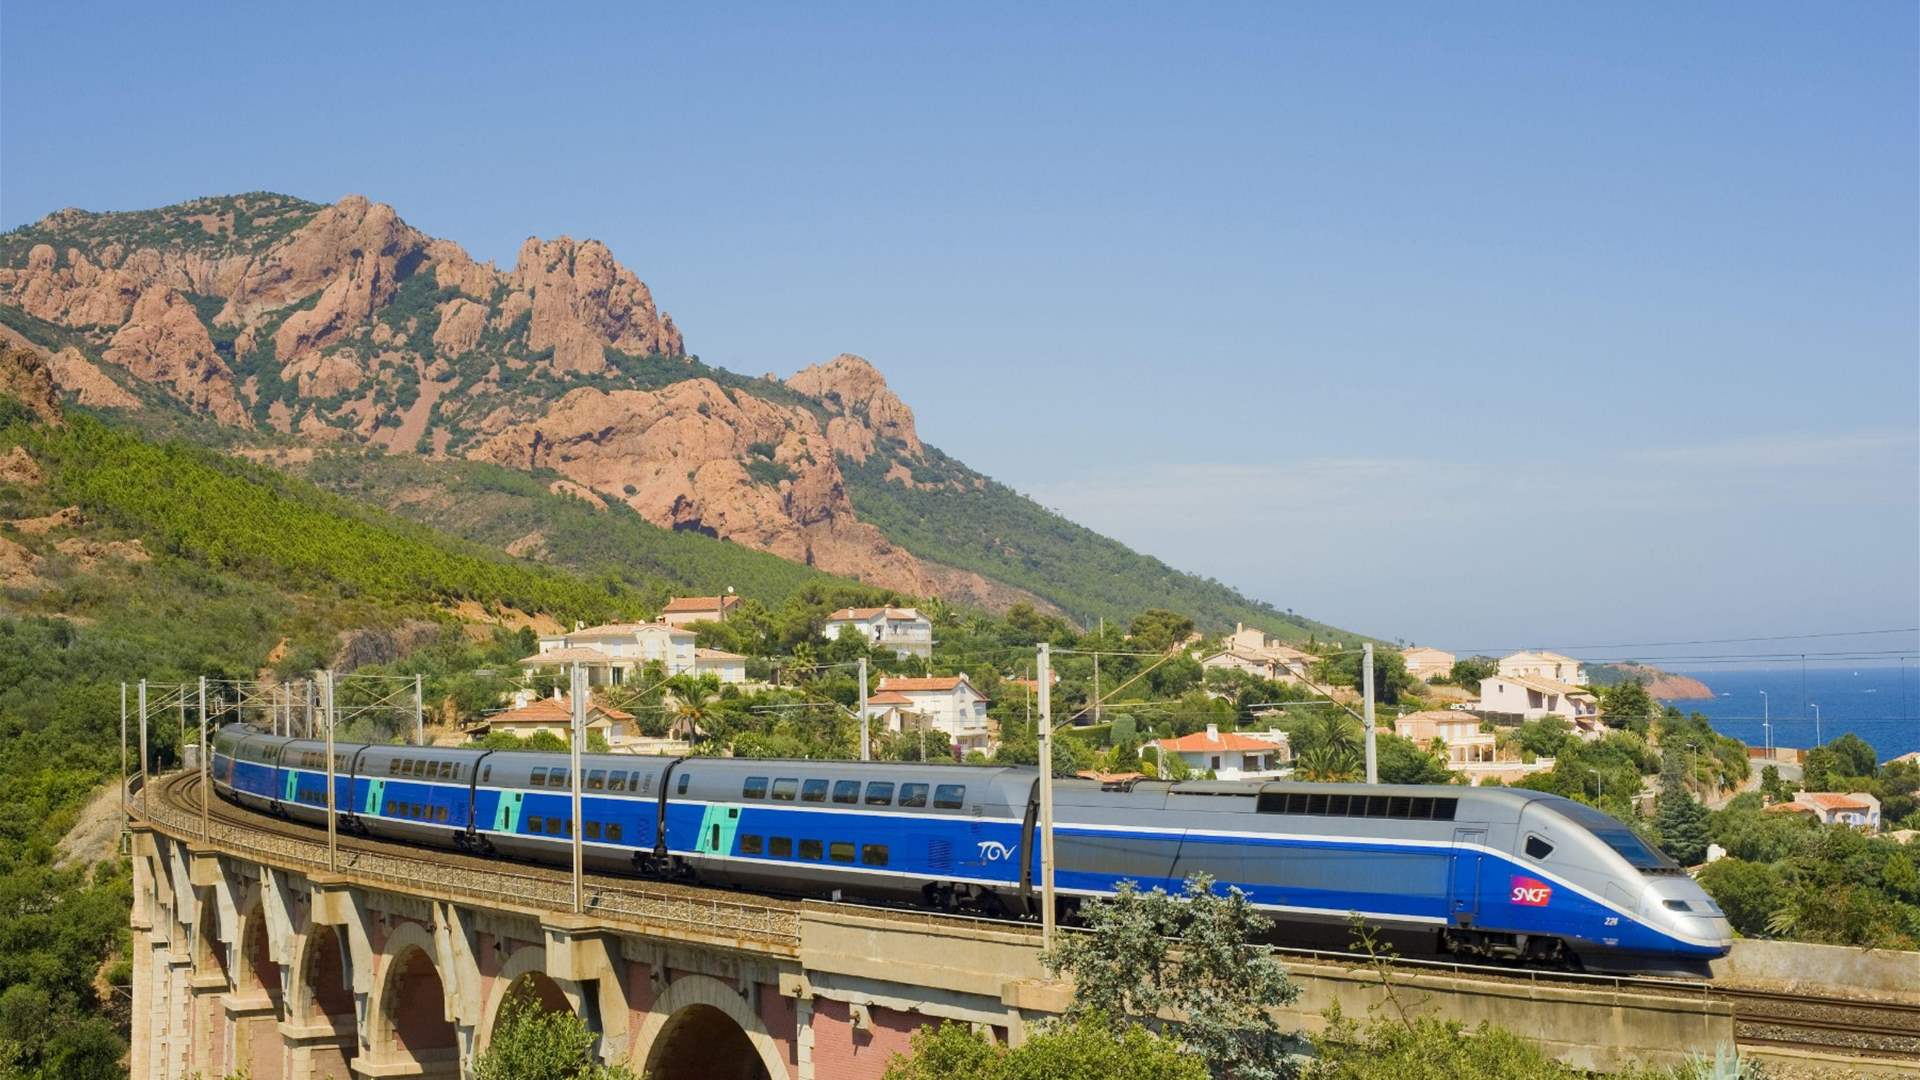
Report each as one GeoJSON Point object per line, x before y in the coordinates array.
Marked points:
{"type": "Point", "coordinates": [1487, 872]}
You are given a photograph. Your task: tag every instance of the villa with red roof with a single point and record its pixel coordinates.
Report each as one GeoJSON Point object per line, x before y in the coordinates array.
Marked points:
{"type": "Point", "coordinates": [686, 610]}
{"type": "Point", "coordinates": [1229, 755]}
{"type": "Point", "coordinates": [1855, 808]}
{"type": "Point", "coordinates": [948, 703]}
{"type": "Point", "coordinates": [904, 630]}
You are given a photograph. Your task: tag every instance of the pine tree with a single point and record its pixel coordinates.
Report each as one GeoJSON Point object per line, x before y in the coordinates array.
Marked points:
{"type": "Point", "coordinates": [1680, 819]}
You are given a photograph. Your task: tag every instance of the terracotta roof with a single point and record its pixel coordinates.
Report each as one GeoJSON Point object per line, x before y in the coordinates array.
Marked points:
{"type": "Point", "coordinates": [716, 654]}
{"type": "Point", "coordinates": [555, 710]}
{"type": "Point", "coordinates": [1833, 801]}
{"type": "Point", "coordinates": [620, 630]}
{"type": "Point", "coordinates": [571, 654]}
{"type": "Point", "coordinates": [1789, 808]}
{"type": "Point", "coordinates": [936, 684]}
{"type": "Point", "coordinates": [1546, 685]}
{"type": "Point", "coordinates": [1199, 743]}
{"type": "Point", "coordinates": [888, 697]}
{"type": "Point", "coordinates": [1239, 653]}
{"type": "Point", "coordinates": [862, 613]}
{"type": "Point", "coordinates": [699, 603]}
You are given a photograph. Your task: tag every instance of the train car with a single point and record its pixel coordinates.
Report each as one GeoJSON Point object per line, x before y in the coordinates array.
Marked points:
{"type": "Point", "coordinates": [1489, 872]}
{"type": "Point", "coordinates": [940, 835]}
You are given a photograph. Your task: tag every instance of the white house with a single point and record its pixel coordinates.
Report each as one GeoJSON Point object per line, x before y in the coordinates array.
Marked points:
{"type": "Point", "coordinates": [554, 716]}
{"type": "Point", "coordinates": [948, 702]}
{"type": "Point", "coordinates": [1855, 808]}
{"type": "Point", "coordinates": [1286, 663]}
{"type": "Point", "coordinates": [730, 667]}
{"type": "Point", "coordinates": [1426, 663]}
{"type": "Point", "coordinates": [686, 610]}
{"type": "Point", "coordinates": [612, 653]}
{"type": "Point", "coordinates": [904, 630]}
{"type": "Point", "coordinates": [1230, 755]}
{"type": "Point", "coordinates": [1459, 733]}
{"type": "Point", "coordinates": [1544, 665]}
{"type": "Point", "coordinates": [1235, 658]}
{"type": "Point", "coordinates": [1531, 697]}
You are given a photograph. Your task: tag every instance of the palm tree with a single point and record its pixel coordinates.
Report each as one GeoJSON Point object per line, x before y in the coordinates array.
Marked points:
{"type": "Point", "coordinates": [1327, 748]}
{"type": "Point", "coordinates": [694, 700]}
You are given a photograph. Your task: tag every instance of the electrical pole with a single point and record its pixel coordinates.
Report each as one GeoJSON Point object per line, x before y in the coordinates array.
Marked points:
{"type": "Point", "coordinates": [1366, 684]}
{"type": "Point", "coordinates": [1096, 682]}
{"type": "Point", "coordinates": [579, 737]}
{"type": "Point", "coordinates": [333, 825]}
{"type": "Point", "coordinates": [206, 772]}
{"type": "Point", "coordinates": [123, 759]}
{"type": "Point", "coordinates": [309, 708]}
{"type": "Point", "coordinates": [1046, 800]}
{"type": "Point", "coordinates": [865, 753]}
{"type": "Point", "coordinates": [143, 748]}
{"type": "Point", "coordinates": [419, 715]}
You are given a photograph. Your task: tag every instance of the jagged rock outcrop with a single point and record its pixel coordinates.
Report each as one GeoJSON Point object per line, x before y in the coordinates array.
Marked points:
{"type": "Point", "coordinates": [583, 302]}
{"type": "Point", "coordinates": [24, 375]}
{"type": "Point", "coordinates": [867, 407]}
{"type": "Point", "coordinates": [163, 341]}
{"type": "Point", "coordinates": [18, 467]}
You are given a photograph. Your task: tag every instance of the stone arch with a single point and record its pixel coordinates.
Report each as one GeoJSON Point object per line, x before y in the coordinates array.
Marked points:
{"type": "Point", "coordinates": [408, 1012]}
{"type": "Point", "coordinates": [702, 1027]}
{"type": "Point", "coordinates": [526, 967]}
{"type": "Point", "coordinates": [323, 979]}
{"type": "Point", "coordinates": [209, 952]}
{"type": "Point", "coordinates": [254, 970]}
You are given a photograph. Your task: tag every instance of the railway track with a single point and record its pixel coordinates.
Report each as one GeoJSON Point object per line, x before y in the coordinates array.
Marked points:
{"type": "Point", "coordinates": [1766, 1018]}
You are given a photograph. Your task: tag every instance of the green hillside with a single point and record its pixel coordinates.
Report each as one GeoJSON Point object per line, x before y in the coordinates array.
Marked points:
{"type": "Point", "coordinates": [975, 523]}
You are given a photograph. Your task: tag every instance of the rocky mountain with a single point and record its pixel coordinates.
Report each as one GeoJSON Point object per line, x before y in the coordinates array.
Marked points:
{"type": "Point", "coordinates": [1661, 685]}
{"type": "Point", "coordinates": [279, 322]}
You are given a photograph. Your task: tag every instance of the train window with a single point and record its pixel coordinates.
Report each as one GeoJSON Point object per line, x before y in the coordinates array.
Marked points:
{"type": "Point", "coordinates": [713, 838]}
{"type": "Point", "coordinates": [591, 830]}
{"type": "Point", "coordinates": [949, 796]}
{"type": "Point", "coordinates": [613, 831]}
{"type": "Point", "coordinates": [446, 770]}
{"type": "Point", "coordinates": [840, 851]}
{"type": "Point", "coordinates": [1316, 804]}
{"type": "Point", "coordinates": [810, 849]}
{"type": "Point", "coordinates": [388, 808]}
{"type": "Point", "coordinates": [406, 767]}
{"type": "Point", "coordinates": [873, 854]}
{"type": "Point", "coordinates": [754, 787]}
{"type": "Point", "coordinates": [1337, 805]}
{"type": "Point", "coordinates": [486, 774]}
{"type": "Point", "coordinates": [440, 814]}
{"type": "Point", "coordinates": [634, 783]}
{"type": "Point", "coordinates": [539, 778]}
{"type": "Point", "coordinates": [533, 825]}
{"type": "Point", "coordinates": [685, 779]}
{"type": "Point", "coordinates": [913, 795]}
{"type": "Point", "coordinates": [880, 793]}
{"type": "Point", "coordinates": [597, 780]}
{"type": "Point", "coordinates": [1421, 809]}
{"type": "Point", "coordinates": [1538, 848]}
{"type": "Point", "coordinates": [780, 847]}
{"type": "Point", "coordinates": [1399, 807]}
{"type": "Point", "coordinates": [560, 778]}
{"type": "Point", "coordinates": [750, 845]}
{"type": "Point", "coordinates": [559, 827]}
{"type": "Point", "coordinates": [1443, 809]}
{"type": "Point", "coordinates": [813, 791]}
{"type": "Point", "coordinates": [393, 767]}
{"type": "Point", "coordinates": [617, 781]}
{"type": "Point", "coordinates": [413, 810]}
{"type": "Point", "coordinates": [1677, 905]}
{"type": "Point", "coordinates": [846, 791]}
{"type": "Point", "coordinates": [784, 788]}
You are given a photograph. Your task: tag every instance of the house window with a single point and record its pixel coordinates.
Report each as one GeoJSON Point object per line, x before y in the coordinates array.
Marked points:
{"type": "Point", "coordinates": [1216, 763]}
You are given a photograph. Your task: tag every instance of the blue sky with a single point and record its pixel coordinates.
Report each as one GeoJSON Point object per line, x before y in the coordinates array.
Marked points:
{"type": "Point", "coordinates": [1480, 325]}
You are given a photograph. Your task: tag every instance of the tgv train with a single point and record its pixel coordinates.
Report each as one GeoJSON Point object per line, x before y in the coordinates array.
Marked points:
{"type": "Point", "coordinates": [1493, 872]}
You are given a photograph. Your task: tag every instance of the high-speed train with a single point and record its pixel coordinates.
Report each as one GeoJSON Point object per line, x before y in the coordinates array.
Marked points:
{"type": "Point", "coordinates": [1494, 872]}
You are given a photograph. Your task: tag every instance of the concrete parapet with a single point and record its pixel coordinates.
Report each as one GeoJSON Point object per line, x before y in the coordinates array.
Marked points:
{"type": "Point", "coordinates": [1837, 970]}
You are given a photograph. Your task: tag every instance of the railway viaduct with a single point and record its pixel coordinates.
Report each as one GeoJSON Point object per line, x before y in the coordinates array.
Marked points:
{"type": "Point", "coordinates": [252, 952]}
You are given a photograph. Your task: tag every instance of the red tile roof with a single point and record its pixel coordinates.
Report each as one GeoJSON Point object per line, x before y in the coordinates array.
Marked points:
{"type": "Point", "coordinates": [1789, 808]}
{"type": "Point", "coordinates": [1832, 801]}
{"type": "Point", "coordinates": [699, 603]}
{"type": "Point", "coordinates": [936, 683]}
{"type": "Point", "coordinates": [888, 697]}
{"type": "Point", "coordinates": [1198, 743]}
{"type": "Point", "coordinates": [846, 613]}
{"type": "Point", "coordinates": [555, 710]}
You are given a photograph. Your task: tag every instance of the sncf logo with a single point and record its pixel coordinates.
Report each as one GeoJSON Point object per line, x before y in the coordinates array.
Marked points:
{"type": "Point", "coordinates": [1528, 892]}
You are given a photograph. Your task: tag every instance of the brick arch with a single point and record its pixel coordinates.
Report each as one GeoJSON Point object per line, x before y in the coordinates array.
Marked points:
{"type": "Point", "coordinates": [696, 1004]}
{"type": "Point", "coordinates": [253, 965]}
{"type": "Point", "coordinates": [408, 1010]}
{"type": "Point", "coordinates": [525, 962]}
{"type": "Point", "coordinates": [321, 956]}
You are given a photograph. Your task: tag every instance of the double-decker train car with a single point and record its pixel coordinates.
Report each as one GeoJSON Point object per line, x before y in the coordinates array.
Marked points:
{"type": "Point", "coordinates": [1491, 872]}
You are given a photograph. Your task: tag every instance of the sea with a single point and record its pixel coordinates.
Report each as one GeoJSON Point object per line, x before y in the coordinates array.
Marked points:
{"type": "Point", "coordinates": [1879, 704]}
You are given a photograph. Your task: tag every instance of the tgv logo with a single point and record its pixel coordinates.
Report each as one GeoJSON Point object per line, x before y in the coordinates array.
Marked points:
{"type": "Point", "coordinates": [1528, 892]}
{"type": "Point", "coordinates": [994, 851]}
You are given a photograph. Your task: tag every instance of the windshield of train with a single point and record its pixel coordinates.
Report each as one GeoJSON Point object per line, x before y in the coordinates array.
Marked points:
{"type": "Point", "coordinates": [1638, 853]}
